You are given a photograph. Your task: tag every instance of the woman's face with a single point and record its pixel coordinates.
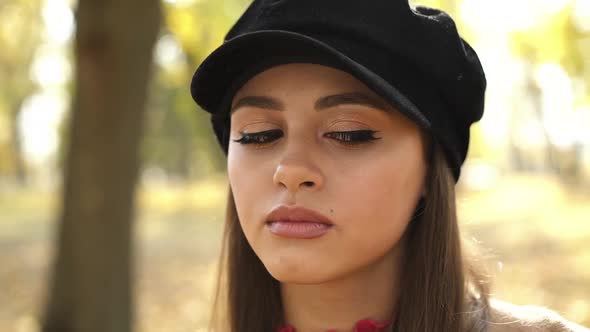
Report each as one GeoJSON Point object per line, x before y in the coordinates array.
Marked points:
{"type": "Point", "coordinates": [367, 183]}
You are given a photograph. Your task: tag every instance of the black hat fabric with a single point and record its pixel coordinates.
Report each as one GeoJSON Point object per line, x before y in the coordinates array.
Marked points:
{"type": "Point", "coordinates": [413, 57]}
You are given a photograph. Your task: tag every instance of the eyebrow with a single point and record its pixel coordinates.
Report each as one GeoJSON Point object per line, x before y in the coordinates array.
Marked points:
{"type": "Point", "coordinates": [348, 98]}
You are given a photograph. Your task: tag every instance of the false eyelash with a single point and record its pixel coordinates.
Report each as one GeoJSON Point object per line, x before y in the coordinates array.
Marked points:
{"type": "Point", "coordinates": [354, 137]}
{"type": "Point", "coordinates": [261, 137]}
{"type": "Point", "coordinates": [345, 137]}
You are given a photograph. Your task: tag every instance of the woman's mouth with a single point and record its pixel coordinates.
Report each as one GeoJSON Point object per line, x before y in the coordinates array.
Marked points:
{"type": "Point", "coordinates": [298, 229]}
{"type": "Point", "coordinates": [297, 222]}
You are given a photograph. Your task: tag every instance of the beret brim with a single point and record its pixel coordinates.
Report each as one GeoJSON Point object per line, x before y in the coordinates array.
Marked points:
{"type": "Point", "coordinates": [239, 59]}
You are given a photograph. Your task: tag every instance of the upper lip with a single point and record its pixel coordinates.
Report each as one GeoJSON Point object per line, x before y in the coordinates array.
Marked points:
{"type": "Point", "coordinates": [296, 214]}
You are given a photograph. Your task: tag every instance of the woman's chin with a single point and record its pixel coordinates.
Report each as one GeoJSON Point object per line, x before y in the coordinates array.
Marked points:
{"type": "Point", "coordinates": [298, 273]}
{"type": "Point", "coordinates": [300, 279]}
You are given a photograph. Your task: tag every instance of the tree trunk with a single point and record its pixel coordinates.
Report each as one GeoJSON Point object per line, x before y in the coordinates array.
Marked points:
{"type": "Point", "coordinates": [20, 168]}
{"type": "Point", "coordinates": [90, 289]}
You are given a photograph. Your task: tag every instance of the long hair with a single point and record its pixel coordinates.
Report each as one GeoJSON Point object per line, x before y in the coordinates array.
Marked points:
{"type": "Point", "coordinates": [441, 288]}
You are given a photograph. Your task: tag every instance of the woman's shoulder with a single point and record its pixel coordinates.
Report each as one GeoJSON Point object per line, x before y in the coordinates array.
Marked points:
{"type": "Point", "coordinates": [508, 317]}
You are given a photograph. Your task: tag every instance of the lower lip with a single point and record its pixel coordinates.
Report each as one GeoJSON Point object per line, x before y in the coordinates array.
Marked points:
{"type": "Point", "coordinates": [301, 230]}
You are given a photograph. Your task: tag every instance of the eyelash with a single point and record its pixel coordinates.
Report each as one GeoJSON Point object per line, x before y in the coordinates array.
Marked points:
{"type": "Point", "coordinates": [350, 138]}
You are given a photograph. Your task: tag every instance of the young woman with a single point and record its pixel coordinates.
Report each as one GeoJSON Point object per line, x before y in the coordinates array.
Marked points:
{"type": "Point", "coordinates": [345, 124]}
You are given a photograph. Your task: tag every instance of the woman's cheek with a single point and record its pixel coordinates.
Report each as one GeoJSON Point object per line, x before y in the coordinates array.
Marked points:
{"type": "Point", "coordinates": [381, 206]}
{"type": "Point", "coordinates": [378, 223]}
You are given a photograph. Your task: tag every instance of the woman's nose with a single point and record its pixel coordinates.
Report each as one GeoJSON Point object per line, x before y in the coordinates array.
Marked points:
{"type": "Point", "coordinates": [296, 173]}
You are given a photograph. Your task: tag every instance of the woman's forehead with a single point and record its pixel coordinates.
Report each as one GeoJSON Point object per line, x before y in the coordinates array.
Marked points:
{"type": "Point", "coordinates": [323, 103]}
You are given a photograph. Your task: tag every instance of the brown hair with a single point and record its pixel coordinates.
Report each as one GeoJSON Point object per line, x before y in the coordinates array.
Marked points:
{"type": "Point", "coordinates": [443, 290]}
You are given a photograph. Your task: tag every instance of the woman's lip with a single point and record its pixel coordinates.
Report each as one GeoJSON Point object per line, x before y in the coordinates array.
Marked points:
{"type": "Point", "coordinates": [298, 229]}
{"type": "Point", "coordinates": [296, 213]}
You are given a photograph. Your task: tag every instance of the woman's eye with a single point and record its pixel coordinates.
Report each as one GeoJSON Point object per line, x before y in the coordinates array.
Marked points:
{"type": "Point", "coordinates": [354, 137]}
{"type": "Point", "coordinates": [345, 137]}
{"type": "Point", "coordinates": [261, 137]}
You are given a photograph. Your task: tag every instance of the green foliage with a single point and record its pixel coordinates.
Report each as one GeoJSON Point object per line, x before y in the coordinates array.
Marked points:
{"type": "Point", "coordinates": [179, 137]}
{"type": "Point", "coordinates": [554, 39]}
{"type": "Point", "coordinates": [201, 26]}
{"type": "Point", "coordinates": [20, 35]}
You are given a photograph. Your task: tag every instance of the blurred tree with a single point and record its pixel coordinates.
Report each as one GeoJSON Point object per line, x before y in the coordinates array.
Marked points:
{"type": "Point", "coordinates": [20, 34]}
{"type": "Point", "coordinates": [556, 39]}
{"type": "Point", "coordinates": [449, 6]}
{"type": "Point", "coordinates": [90, 286]}
{"type": "Point", "coordinates": [179, 139]}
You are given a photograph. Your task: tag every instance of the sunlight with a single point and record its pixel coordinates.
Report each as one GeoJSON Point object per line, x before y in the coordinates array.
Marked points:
{"type": "Point", "coordinates": [182, 3]}
{"type": "Point", "coordinates": [509, 15]}
{"type": "Point", "coordinates": [168, 52]}
{"type": "Point", "coordinates": [50, 66]}
{"type": "Point", "coordinates": [557, 104]}
{"type": "Point", "coordinates": [39, 120]}
{"type": "Point", "coordinates": [58, 20]}
{"type": "Point", "coordinates": [581, 15]}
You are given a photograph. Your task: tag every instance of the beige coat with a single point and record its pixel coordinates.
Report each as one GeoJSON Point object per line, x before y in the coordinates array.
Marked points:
{"type": "Point", "coordinates": [508, 317]}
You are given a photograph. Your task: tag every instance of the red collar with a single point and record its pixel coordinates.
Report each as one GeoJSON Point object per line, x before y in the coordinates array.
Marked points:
{"type": "Point", "coordinates": [364, 325]}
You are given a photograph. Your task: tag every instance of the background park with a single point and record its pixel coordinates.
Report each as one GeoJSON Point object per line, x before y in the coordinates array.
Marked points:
{"type": "Point", "coordinates": [112, 185]}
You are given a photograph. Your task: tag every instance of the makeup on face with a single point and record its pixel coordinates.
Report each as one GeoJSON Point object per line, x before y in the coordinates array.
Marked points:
{"type": "Point", "coordinates": [297, 222]}
{"type": "Point", "coordinates": [352, 120]}
{"type": "Point", "coordinates": [313, 139]}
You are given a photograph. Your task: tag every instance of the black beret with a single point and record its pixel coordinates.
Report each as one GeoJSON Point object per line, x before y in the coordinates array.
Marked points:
{"type": "Point", "coordinates": [412, 57]}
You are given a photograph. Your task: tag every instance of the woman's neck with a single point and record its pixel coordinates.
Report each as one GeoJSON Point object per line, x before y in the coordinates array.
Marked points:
{"type": "Point", "coordinates": [370, 293]}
